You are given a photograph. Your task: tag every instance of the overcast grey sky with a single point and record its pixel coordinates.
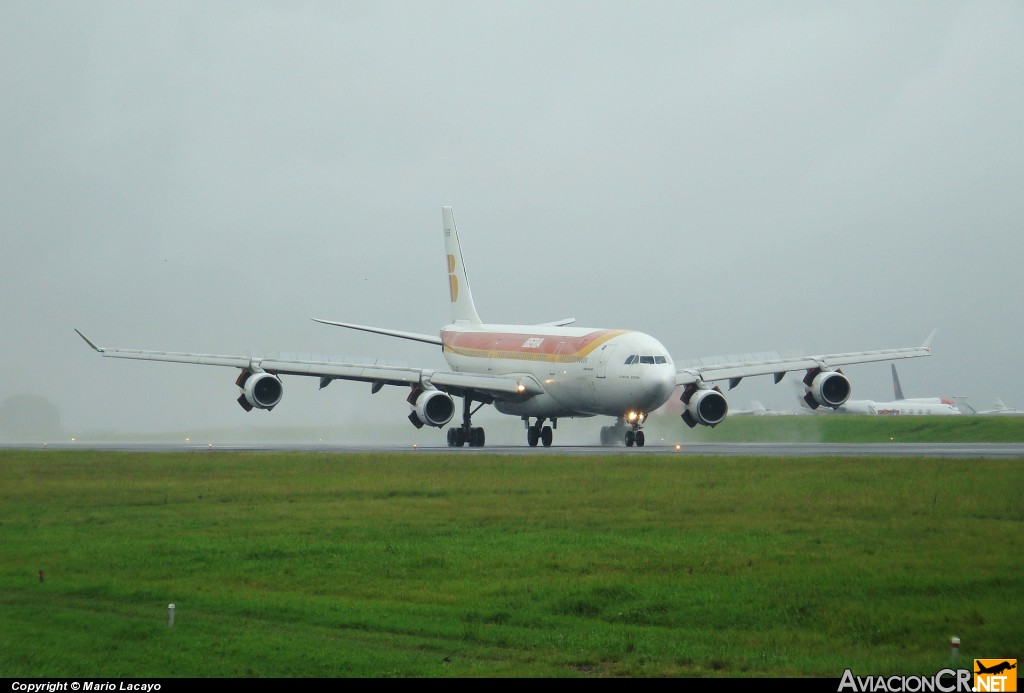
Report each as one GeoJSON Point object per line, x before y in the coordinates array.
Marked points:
{"type": "Point", "coordinates": [727, 176]}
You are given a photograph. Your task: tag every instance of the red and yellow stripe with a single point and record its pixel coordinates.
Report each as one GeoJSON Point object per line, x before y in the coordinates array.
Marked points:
{"type": "Point", "coordinates": [526, 347]}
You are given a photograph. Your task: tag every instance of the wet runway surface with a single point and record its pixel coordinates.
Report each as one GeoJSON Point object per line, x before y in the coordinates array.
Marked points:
{"type": "Point", "coordinates": [939, 450]}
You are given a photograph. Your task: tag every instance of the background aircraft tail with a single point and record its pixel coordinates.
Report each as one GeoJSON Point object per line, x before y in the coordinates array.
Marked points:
{"type": "Point", "coordinates": [463, 309]}
{"type": "Point", "coordinates": [897, 390]}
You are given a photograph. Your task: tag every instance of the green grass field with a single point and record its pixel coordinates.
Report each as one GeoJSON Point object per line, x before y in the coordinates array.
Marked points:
{"type": "Point", "coordinates": [662, 428]}
{"type": "Point", "coordinates": [457, 565]}
{"type": "Point", "coordinates": [839, 428]}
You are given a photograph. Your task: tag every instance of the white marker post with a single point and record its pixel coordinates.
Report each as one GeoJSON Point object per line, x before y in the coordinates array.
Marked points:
{"type": "Point", "coordinates": [955, 645]}
{"type": "Point", "coordinates": [170, 615]}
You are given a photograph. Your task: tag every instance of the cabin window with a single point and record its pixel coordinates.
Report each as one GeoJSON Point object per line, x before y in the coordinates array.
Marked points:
{"type": "Point", "coordinates": [660, 359]}
{"type": "Point", "coordinates": [631, 359]}
{"type": "Point", "coordinates": [647, 359]}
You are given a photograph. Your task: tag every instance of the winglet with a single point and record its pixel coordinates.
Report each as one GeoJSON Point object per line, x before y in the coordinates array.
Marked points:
{"type": "Point", "coordinates": [87, 341]}
{"type": "Point", "coordinates": [928, 342]}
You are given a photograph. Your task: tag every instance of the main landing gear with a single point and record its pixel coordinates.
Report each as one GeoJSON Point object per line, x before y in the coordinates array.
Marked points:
{"type": "Point", "coordinates": [538, 432]}
{"type": "Point", "coordinates": [611, 435]}
{"type": "Point", "coordinates": [466, 433]}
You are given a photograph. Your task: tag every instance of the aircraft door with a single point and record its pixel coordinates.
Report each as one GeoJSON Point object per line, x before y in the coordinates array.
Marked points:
{"type": "Point", "coordinates": [602, 362]}
{"type": "Point", "coordinates": [556, 363]}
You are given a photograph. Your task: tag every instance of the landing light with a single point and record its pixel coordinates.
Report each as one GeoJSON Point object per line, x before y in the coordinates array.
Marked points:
{"type": "Point", "coordinates": [520, 388]}
{"type": "Point", "coordinates": [678, 447]}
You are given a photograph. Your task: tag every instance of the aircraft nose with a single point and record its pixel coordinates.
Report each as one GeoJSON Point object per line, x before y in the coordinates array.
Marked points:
{"type": "Point", "coordinates": [658, 383]}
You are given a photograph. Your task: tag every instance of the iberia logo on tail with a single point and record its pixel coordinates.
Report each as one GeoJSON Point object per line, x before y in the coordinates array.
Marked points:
{"type": "Point", "coordinates": [453, 282]}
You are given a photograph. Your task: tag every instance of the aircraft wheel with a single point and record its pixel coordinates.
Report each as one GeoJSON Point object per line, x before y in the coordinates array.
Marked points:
{"type": "Point", "coordinates": [630, 438]}
{"type": "Point", "coordinates": [639, 439]}
{"type": "Point", "coordinates": [453, 437]}
{"type": "Point", "coordinates": [477, 438]}
{"type": "Point", "coordinates": [546, 436]}
{"type": "Point", "coordinates": [604, 435]}
{"type": "Point", "coordinates": [532, 436]}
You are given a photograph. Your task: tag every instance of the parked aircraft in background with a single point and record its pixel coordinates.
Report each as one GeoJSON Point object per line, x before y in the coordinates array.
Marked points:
{"type": "Point", "coordinates": [900, 406]}
{"type": "Point", "coordinates": [898, 393]}
{"type": "Point", "coordinates": [756, 409]}
{"type": "Point", "coordinates": [542, 372]}
{"type": "Point", "coordinates": [998, 409]}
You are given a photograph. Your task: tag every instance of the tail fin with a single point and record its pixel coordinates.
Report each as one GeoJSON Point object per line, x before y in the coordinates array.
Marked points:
{"type": "Point", "coordinates": [896, 384]}
{"type": "Point", "coordinates": [463, 309]}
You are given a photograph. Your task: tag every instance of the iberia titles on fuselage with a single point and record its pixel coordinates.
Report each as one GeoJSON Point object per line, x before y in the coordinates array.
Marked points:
{"type": "Point", "coordinates": [583, 371]}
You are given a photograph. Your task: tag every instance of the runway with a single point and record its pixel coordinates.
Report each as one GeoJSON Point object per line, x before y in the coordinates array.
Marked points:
{"type": "Point", "coordinates": [931, 450]}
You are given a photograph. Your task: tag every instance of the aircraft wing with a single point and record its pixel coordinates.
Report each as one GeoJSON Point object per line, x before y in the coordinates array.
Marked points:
{"type": "Point", "coordinates": [521, 385]}
{"type": "Point", "coordinates": [734, 371]}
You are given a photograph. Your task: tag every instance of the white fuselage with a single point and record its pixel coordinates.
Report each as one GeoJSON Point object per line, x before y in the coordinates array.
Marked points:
{"type": "Point", "coordinates": [584, 371]}
{"type": "Point", "coordinates": [901, 407]}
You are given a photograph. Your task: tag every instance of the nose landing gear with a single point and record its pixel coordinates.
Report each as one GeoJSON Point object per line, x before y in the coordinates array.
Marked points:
{"type": "Point", "coordinates": [634, 437]}
{"type": "Point", "coordinates": [635, 434]}
{"type": "Point", "coordinates": [628, 428]}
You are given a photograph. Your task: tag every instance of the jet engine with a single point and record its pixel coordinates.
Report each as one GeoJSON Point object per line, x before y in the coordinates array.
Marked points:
{"type": "Point", "coordinates": [704, 406]}
{"type": "Point", "coordinates": [430, 407]}
{"type": "Point", "coordinates": [826, 388]}
{"type": "Point", "coordinates": [259, 390]}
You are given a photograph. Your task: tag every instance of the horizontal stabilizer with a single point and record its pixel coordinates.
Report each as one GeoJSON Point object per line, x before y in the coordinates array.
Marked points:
{"type": "Point", "coordinates": [416, 337]}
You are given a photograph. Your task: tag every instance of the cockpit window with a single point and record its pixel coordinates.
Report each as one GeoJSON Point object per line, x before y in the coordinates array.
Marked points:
{"type": "Point", "coordinates": [633, 359]}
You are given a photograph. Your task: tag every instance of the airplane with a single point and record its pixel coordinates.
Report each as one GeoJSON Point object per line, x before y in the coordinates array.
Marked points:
{"type": "Point", "coordinates": [898, 393]}
{"type": "Point", "coordinates": [900, 406]}
{"type": "Point", "coordinates": [995, 668]}
{"type": "Point", "coordinates": [998, 409]}
{"type": "Point", "coordinates": [540, 372]}
{"type": "Point", "coordinates": [756, 409]}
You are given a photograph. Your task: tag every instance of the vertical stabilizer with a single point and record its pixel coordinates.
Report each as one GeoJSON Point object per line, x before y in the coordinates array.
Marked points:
{"type": "Point", "coordinates": [897, 390]}
{"type": "Point", "coordinates": [463, 309]}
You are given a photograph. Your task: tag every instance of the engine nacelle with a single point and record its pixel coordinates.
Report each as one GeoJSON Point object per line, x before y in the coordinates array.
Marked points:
{"type": "Point", "coordinates": [431, 408]}
{"type": "Point", "coordinates": [826, 388]}
{"type": "Point", "coordinates": [259, 390]}
{"type": "Point", "coordinates": [707, 407]}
